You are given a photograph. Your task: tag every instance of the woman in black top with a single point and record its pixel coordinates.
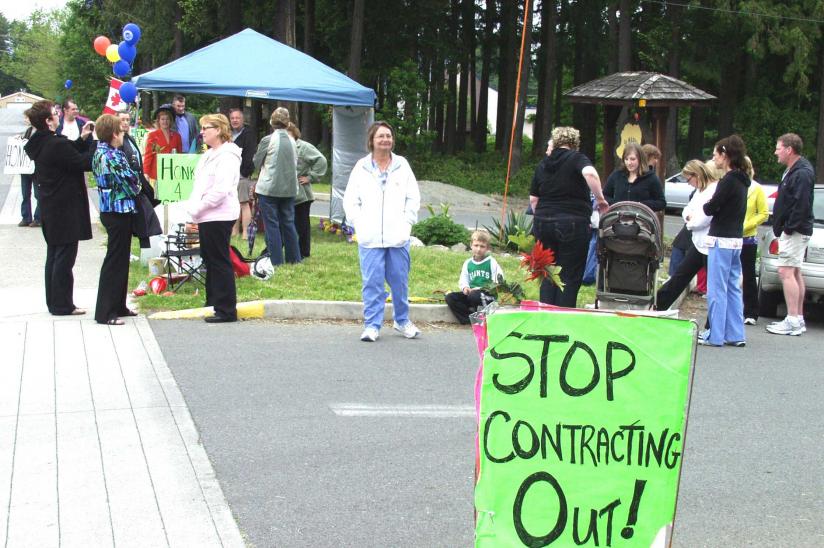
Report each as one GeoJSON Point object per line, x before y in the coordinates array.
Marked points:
{"type": "Point", "coordinates": [634, 183]}
{"type": "Point", "coordinates": [560, 198]}
{"type": "Point", "coordinates": [59, 166]}
{"type": "Point", "coordinates": [728, 207]}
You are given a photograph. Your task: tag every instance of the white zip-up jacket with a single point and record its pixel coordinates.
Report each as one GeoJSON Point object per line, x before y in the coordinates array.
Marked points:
{"type": "Point", "coordinates": [699, 222]}
{"type": "Point", "coordinates": [382, 215]}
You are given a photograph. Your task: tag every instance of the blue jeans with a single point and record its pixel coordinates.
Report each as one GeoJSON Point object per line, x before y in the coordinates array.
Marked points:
{"type": "Point", "coordinates": [724, 299]}
{"type": "Point", "coordinates": [568, 237]}
{"type": "Point", "coordinates": [676, 257]}
{"type": "Point", "coordinates": [27, 186]}
{"type": "Point", "coordinates": [392, 265]}
{"type": "Point", "coordinates": [279, 221]}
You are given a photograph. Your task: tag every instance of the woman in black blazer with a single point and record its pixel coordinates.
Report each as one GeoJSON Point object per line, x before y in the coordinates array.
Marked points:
{"type": "Point", "coordinates": [59, 166]}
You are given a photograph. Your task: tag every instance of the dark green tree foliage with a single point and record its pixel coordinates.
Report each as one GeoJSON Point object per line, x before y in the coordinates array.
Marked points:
{"type": "Point", "coordinates": [763, 59]}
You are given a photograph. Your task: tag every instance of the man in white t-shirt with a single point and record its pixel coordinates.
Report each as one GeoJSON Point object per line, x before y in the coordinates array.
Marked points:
{"type": "Point", "coordinates": [70, 125]}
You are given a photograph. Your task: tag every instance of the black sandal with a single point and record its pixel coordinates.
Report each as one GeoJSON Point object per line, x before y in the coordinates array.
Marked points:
{"type": "Point", "coordinates": [128, 313]}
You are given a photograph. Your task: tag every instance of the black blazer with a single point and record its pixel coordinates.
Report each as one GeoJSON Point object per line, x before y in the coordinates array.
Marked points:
{"type": "Point", "coordinates": [59, 168]}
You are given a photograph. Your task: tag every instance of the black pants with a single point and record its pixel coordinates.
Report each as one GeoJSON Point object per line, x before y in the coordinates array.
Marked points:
{"type": "Point", "coordinates": [59, 278]}
{"type": "Point", "coordinates": [689, 266]}
{"type": "Point", "coordinates": [463, 305]}
{"type": "Point", "coordinates": [568, 237]}
{"type": "Point", "coordinates": [303, 227]}
{"type": "Point", "coordinates": [750, 286]}
{"type": "Point", "coordinates": [221, 292]}
{"type": "Point", "coordinates": [114, 273]}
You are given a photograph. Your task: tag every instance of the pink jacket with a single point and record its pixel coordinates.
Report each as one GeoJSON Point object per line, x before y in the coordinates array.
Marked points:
{"type": "Point", "coordinates": [214, 194]}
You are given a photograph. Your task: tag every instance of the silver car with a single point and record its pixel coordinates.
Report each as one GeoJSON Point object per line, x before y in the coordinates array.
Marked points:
{"type": "Point", "coordinates": [677, 192]}
{"type": "Point", "coordinates": [770, 291]}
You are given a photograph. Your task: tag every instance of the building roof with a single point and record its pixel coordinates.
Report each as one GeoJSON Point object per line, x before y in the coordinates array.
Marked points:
{"type": "Point", "coordinates": [623, 88]}
{"type": "Point", "coordinates": [21, 97]}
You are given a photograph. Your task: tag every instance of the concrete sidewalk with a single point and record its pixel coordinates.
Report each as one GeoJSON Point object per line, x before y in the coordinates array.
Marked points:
{"type": "Point", "coordinates": [97, 446]}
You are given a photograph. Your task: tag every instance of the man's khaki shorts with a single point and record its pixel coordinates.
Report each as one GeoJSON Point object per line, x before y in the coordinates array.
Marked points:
{"type": "Point", "coordinates": [791, 249]}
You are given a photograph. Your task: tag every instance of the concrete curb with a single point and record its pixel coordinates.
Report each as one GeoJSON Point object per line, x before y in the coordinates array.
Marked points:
{"type": "Point", "coordinates": [311, 310]}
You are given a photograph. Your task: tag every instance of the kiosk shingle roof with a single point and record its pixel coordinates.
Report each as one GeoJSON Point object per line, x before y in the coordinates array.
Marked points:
{"type": "Point", "coordinates": [628, 87]}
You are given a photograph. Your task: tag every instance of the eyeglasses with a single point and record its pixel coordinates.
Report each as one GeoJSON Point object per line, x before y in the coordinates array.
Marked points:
{"type": "Point", "coordinates": [208, 127]}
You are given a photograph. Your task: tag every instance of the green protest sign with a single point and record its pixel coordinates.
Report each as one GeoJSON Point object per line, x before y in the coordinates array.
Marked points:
{"type": "Point", "coordinates": [175, 176]}
{"type": "Point", "coordinates": [581, 431]}
{"type": "Point", "coordinates": [139, 135]}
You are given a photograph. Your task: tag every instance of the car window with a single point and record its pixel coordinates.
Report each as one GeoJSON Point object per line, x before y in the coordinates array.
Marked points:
{"type": "Point", "coordinates": [818, 205]}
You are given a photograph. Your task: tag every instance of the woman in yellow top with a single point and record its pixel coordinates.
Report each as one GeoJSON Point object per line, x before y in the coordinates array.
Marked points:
{"type": "Point", "coordinates": [757, 213]}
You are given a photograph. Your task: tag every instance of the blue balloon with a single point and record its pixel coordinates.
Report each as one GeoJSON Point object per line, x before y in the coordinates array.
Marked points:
{"type": "Point", "coordinates": [127, 52]}
{"type": "Point", "coordinates": [121, 68]}
{"type": "Point", "coordinates": [68, 84]}
{"type": "Point", "coordinates": [131, 34]}
{"type": "Point", "coordinates": [128, 92]}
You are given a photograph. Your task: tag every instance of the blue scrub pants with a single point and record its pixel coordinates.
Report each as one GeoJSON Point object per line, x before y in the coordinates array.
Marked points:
{"type": "Point", "coordinates": [392, 265]}
{"type": "Point", "coordinates": [724, 298]}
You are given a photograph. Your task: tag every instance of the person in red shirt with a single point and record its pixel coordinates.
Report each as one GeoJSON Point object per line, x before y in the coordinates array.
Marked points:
{"type": "Point", "coordinates": [163, 140]}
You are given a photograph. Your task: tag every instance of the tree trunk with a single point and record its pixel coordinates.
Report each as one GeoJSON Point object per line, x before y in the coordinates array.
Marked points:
{"type": "Point", "coordinates": [624, 37]}
{"type": "Point", "coordinates": [612, 37]}
{"type": "Point", "coordinates": [486, 64]}
{"type": "Point", "coordinates": [177, 51]}
{"type": "Point", "coordinates": [819, 143]}
{"type": "Point", "coordinates": [695, 135]}
{"type": "Point", "coordinates": [546, 78]}
{"type": "Point", "coordinates": [505, 81]}
{"type": "Point", "coordinates": [518, 137]}
{"type": "Point", "coordinates": [437, 73]}
{"type": "Point", "coordinates": [284, 32]}
{"type": "Point", "coordinates": [450, 128]}
{"type": "Point", "coordinates": [468, 44]}
{"type": "Point", "coordinates": [671, 162]}
{"type": "Point", "coordinates": [310, 121]}
{"type": "Point", "coordinates": [728, 95]}
{"type": "Point", "coordinates": [233, 13]}
{"type": "Point", "coordinates": [356, 43]}
{"type": "Point", "coordinates": [584, 117]}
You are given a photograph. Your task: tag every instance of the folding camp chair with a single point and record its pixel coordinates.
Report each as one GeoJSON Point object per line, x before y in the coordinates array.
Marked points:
{"type": "Point", "coordinates": [183, 257]}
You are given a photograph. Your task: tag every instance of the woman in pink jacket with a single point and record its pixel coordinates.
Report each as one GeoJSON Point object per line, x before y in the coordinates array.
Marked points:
{"type": "Point", "coordinates": [214, 207]}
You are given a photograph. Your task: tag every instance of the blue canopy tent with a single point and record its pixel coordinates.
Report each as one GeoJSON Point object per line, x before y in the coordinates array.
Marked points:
{"type": "Point", "coordinates": [249, 64]}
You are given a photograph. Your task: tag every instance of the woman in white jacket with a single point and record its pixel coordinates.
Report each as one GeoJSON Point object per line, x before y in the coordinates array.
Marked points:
{"type": "Point", "coordinates": [704, 181]}
{"type": "Point", "coordinates": [381, 203]}
{"type": "Point", "coordinates": [213, 205]}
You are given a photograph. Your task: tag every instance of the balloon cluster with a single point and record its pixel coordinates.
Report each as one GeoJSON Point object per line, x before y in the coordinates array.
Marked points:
{"type": "Point", "coordinates": [121, 56]}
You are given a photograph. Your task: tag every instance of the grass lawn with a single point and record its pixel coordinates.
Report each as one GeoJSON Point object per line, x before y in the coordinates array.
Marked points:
{"type": "Point", "coordinates": [332, 273]}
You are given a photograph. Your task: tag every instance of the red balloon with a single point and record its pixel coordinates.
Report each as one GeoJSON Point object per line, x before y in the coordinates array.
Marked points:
{"type": "Point", "coordinates": [100, 45]}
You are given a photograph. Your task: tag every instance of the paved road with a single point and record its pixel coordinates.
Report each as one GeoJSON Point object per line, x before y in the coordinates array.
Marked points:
{"type": "Point", "coordinates": [264, 396]}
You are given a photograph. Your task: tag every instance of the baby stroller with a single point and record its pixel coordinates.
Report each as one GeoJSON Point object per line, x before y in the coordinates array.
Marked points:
{"type": "Point", "coordinates": [629, 255]}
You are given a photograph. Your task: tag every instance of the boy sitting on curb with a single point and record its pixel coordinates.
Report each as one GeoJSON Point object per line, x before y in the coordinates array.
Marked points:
{"type": "Point", "coordinates": [476, 272]}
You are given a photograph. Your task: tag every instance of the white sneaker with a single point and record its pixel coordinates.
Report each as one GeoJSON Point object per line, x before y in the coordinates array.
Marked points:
{"type": "Point", "coordinates": [749, 321]}
{"type": "Point", "coordinates": [370, 334]}
{"type": "Point", "coordinates": [408, 330]}
{"type": "Point", "coordinates": [787, 326]}
{"type": "Point", "coordinates": [803, 324]}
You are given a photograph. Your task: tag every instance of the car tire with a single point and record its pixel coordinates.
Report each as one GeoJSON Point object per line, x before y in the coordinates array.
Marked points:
{"type": "Point", "coordinates": [768, 302]}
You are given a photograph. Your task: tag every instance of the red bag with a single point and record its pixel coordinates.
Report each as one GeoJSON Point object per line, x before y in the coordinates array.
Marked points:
{"type": "Point", "coordinates": [239, 264]}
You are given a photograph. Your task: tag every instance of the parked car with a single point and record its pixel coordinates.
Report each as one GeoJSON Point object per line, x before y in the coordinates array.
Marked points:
{"type": "Point", "coordinates": [677, 192]}
{"type": "Point", "coordinates": [770, 291]}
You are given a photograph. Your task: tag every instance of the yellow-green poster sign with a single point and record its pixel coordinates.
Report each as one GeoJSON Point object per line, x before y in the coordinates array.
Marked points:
{"type": "Point", "coordinates": [175, 176]}
{"type": "Point", "coordinates": [581, 431]}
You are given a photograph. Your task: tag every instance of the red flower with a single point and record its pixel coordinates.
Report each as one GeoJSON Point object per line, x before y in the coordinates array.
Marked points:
{"type": "Point", "coordinates": [536, 263]}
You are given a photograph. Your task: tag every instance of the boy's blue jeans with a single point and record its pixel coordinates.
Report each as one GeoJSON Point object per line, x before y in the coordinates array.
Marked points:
{"type": "Point", "coordinates": [379, 264]}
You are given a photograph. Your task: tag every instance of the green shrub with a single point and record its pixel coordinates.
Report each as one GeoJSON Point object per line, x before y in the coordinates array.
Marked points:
{"type": "Point", "coordinates": [516, 224]}
{"type": "Point", "coordinates": [441, 230]}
